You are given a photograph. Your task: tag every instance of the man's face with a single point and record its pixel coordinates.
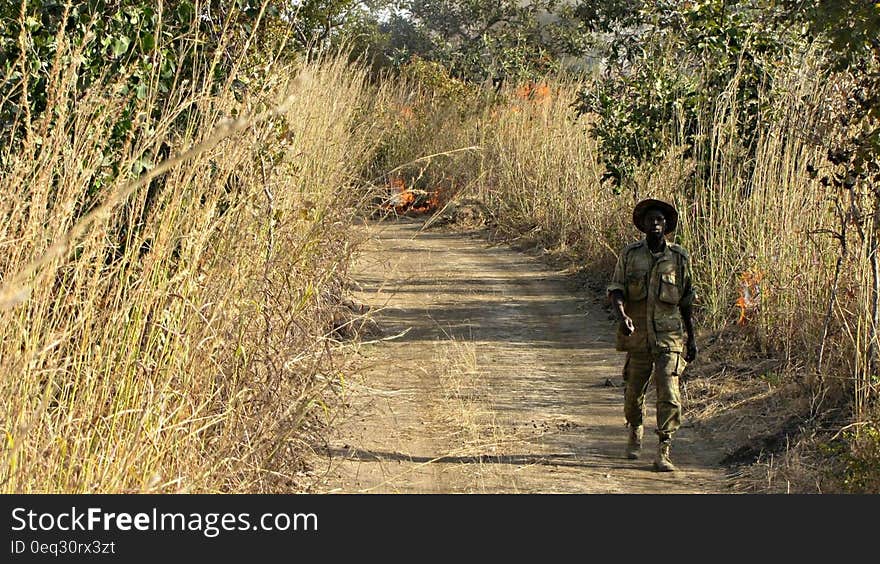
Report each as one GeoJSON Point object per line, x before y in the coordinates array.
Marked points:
{"type": "Point", "coordinates": [654, 223]}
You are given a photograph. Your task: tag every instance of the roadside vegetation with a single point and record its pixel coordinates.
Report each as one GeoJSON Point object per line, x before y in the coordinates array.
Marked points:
{"type": "Point", "coordinates": [172, 257]}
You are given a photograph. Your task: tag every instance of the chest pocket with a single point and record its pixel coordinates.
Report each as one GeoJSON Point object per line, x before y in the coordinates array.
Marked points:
{"type": "Point", "coordinates": [636, 288]}
{"type": "Point", "coordinates": [669, 292]}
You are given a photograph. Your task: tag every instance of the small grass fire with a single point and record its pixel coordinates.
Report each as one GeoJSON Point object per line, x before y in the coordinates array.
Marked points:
{"type": "Point", "coordinates": [409, 201]}
{"type": "Point", "coordinates": [749, 294]}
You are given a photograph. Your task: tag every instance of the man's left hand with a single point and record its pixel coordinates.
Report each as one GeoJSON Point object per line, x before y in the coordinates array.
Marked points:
{"type": "Point", "coordinates": [691, 350]}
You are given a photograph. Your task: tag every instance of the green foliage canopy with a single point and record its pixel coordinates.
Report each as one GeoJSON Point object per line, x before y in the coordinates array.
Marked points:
{"type": "Point", "coordinates": [671, 59]}
{"type": "Point", "coordinates": [169, 43]}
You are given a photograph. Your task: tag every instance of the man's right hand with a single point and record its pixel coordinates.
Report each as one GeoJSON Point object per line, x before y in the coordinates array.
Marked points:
{"type": "Point", "coordinates": [690, 354]}
{"type": "Point", "coordinates": [626, 325]}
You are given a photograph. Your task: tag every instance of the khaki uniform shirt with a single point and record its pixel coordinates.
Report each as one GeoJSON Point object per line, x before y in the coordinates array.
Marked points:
{"type": "Point", "coordinates": [654, 286]}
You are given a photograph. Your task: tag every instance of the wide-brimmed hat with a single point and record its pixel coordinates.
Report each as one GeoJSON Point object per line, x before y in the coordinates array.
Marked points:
{"type": "Point", "coordinates": [668, 210]}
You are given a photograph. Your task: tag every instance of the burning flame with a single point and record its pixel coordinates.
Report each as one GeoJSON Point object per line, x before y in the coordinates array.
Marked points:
{"type": "Point", "coordinates": [749, 293]}
{"type": "Point", "coordinates": [406, 200]}
{"type": "Point", "coordinates": [532, 92]}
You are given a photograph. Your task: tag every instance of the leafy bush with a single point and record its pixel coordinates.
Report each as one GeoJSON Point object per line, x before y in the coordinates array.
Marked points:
{"type": "Point", "coordinates": [683, 59]}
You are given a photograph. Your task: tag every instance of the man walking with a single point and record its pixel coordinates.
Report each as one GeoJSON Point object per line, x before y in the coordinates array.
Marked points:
{"type": "Point", "coordinates": [652, 293]}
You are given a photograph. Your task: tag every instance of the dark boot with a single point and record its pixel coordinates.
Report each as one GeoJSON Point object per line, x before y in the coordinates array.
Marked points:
{"type": "Point", "coordinates": [662, 463]}
{"type": "Point", "coordinates": [634, 444]}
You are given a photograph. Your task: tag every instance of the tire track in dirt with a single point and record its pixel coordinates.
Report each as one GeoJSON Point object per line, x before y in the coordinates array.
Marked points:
{"type": "Point", "coordinates": [498, 382]}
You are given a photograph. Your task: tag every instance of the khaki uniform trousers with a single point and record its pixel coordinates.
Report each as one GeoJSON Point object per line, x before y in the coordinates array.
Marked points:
{"type": "Point", "coordinates": [666, 369]}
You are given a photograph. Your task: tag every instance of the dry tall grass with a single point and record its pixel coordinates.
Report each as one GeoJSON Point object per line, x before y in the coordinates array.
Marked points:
{"type": "Point", "coordinates": [541, 172]}
{"type": "Point", "coordinates": [180, 338]}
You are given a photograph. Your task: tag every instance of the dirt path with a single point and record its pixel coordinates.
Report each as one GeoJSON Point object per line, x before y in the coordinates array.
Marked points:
{"type": "Point", "coordinates": [502, 379]}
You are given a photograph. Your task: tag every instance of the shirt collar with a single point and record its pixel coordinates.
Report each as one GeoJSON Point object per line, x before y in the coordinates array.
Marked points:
{"type": "Point", "coordinates": [658, 254]}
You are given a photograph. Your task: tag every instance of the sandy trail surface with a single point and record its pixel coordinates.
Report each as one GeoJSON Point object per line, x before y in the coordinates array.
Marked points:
{"type": "Point", "coordinates": [490, 373]}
